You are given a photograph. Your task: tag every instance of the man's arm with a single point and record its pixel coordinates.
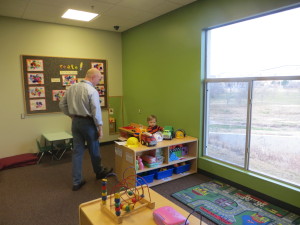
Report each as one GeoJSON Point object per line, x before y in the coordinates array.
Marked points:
{"type": "Point", "coordinates": [100, 132]}
{"type": "Point", "coordinates": [63, 105]}
{"type": "Point", "coordinates": [96, 112]}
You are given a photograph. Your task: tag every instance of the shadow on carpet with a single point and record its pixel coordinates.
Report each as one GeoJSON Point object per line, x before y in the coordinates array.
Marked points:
{"type": "Point", "coordinates": [224, 204]}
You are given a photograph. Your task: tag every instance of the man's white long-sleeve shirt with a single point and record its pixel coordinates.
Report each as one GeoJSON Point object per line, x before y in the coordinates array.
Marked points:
{"type": "Point", "coordinates": [82, 99]}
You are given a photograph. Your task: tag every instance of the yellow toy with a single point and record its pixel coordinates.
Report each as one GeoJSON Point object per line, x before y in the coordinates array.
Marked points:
{"type": "Point", "coordinates": [180, 133]}
{"type": "Point", "coordinates": [132, 142]}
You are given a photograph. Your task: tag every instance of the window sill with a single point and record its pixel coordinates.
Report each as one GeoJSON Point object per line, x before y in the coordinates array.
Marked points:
{"type": "Point", "coordinates": [249, 173]}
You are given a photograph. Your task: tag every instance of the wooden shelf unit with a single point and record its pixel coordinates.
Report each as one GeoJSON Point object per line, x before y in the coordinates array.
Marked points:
{"type": "Point", "coordinates": [125, 158]}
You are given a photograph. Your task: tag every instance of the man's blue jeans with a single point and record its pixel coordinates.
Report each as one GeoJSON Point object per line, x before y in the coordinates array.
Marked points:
{"type": "Point", "coordinates": [84, 131]}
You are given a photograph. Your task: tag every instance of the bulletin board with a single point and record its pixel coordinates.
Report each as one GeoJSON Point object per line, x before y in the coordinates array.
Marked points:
{"type": "Point", "coordinates": [46, 79]}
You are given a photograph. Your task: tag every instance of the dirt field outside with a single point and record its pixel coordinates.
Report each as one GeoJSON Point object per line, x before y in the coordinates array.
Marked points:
{"type": "Point", "coordinates": [272, 155]}
{"type": "Point", "coordinates": [275, 127]}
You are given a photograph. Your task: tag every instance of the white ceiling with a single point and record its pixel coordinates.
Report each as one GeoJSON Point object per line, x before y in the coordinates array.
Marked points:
{"type": "Point", "coordinates": [123, 13]}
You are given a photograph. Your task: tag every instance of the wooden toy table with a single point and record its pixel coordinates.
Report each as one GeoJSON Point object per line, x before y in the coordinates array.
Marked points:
{"type": "Point", "coordinates": [91, 214]}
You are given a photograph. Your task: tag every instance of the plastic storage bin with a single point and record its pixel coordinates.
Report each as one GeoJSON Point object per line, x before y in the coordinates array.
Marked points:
{"type": "Point", "coordinates": [145, 178]}
{"type": "Point", "coordinates": [156, 164]}
{"type": "Point", "coordinates": [181, 169]}
{"type": "Point", "coordinates": [164, 174]}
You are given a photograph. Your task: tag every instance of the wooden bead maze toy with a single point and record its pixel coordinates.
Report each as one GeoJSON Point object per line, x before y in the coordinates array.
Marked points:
{"type": "Point", "coordinates": [126, 201]}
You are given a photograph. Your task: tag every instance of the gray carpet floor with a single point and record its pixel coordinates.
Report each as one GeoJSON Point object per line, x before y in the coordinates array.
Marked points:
{"type": "Point", "coordinates": [41, 194]}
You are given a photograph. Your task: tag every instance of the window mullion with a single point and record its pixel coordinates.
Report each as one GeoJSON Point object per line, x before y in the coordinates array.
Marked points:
{"type": "Point", "coordinates": [206, 115]}
{"type": "Point", "coordinates": [248, 126]}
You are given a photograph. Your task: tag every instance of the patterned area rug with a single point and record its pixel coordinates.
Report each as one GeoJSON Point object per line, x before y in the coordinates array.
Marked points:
{"type": "Point", "coordinates": [224, 204]}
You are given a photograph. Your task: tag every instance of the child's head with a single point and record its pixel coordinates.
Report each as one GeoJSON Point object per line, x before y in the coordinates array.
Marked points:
{"type": "Point", "coordinates": [151, 120]}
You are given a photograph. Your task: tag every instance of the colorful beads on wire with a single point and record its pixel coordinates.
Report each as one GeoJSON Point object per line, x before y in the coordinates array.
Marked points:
{"type": "Point", "coordinates": [104, 191]}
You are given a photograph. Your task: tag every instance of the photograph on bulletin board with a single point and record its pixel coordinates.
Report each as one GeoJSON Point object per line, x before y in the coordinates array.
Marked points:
{"type": "Point", "coordinates": [58, 94]}
{"type": "Point", "coordinates": [36, 92]}
{"type": "Point", "coordinates": [68, 80]}
{"type": "Point", "coordinates": [100, 89]}
{"type": "Point", "coordinates": [37, 104]}
{"type": "Point", "coordinates": [98, 65]}
{"type": "Point", "coordinates": [35, 65]}
{"type": "Point", "coordinates": [35, 78]}
{"type": "Point", "coordinates": [102, 101]}
{"type": "Point", "coordinates": [46, 79]}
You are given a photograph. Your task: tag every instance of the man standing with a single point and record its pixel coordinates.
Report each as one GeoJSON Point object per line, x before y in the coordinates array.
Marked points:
{"type": "Point", "coordinates": [81, 103]}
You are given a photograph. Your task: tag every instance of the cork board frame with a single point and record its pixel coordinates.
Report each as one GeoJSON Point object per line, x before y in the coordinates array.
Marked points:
{"type": "Point", "coordinates": [45, 80]}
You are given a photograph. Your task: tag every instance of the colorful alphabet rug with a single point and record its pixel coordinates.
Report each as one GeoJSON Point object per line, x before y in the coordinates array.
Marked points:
{"type": "Point", "coordinates": [224, 204]}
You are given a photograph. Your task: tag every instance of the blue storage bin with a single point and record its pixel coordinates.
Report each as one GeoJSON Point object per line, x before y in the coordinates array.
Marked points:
{"type": "Point", "coordinates": [181, 169]}
{"type": "Point", "coordinates": [147, 177]}
{"type": "Point", "coordinates": [164, 174]}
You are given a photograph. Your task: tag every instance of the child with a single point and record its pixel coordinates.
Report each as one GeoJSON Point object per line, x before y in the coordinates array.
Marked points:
{"type": "Point", "coordinates": [152, 127]}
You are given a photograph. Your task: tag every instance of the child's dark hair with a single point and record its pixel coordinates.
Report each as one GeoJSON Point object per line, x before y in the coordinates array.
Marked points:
{"type": "Point", "coordinates": [151, 117]}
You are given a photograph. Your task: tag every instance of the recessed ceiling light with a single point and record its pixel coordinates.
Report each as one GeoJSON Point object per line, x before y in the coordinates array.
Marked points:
{"type": "Point", "coordinates": [79, 15]}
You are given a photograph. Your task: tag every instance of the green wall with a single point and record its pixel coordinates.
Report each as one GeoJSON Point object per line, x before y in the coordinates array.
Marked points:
{"type": "Point", "coordinates": [161, 76]}
{"type": "Point", "coordinates": [24, 37]}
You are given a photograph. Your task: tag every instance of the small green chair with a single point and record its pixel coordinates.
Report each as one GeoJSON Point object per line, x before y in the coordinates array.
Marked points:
{"type": "Point", "coordinates": [63, 146]}
{"type": "Point", "coordinates": [42, 150]}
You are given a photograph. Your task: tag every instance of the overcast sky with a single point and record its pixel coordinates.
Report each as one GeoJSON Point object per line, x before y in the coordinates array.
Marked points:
{"type": "Point", "coordinates": [256, 46]}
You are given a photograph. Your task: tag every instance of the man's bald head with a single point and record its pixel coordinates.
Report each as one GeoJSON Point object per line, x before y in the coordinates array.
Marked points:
{"type": "Point", "coordinates": [94, 76]}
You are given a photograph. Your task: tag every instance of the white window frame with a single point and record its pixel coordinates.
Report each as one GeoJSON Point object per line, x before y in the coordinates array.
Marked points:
{"type": "Point", "coordinates": [250, 81]}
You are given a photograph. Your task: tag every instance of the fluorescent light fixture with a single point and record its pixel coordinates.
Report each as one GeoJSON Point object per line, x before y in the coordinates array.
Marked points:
{"type": "Point", "coordinates": [79, 15]}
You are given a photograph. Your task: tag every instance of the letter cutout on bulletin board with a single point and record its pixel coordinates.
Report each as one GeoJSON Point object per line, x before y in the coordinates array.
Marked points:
{"type": "Point", "coordinates": [46, 79]}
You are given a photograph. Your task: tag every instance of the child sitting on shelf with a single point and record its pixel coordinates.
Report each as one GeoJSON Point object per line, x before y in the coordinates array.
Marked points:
{"type": "Point", "coordinates": [152, 127]}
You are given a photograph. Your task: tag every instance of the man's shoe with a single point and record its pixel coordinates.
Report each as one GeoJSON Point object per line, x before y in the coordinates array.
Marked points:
{"type": "Point", "coordinates": [103, 173]}
{"type": "Point", "coordinates": [78, 186]}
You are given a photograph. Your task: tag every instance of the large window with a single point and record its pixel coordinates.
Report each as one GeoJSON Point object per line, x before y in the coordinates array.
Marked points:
{"type": "Point", "coordinates": [252, 83]}
{"type": "Point", "coordinates": [227, 133]}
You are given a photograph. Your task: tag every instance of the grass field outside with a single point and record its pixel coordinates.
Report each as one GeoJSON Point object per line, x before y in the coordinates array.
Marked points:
{"type": "Point", "coordinates": [275, 128]}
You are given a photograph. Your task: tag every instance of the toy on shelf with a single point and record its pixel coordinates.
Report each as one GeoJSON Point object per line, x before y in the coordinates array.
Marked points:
{"type": "Point", "coordinates": [173, 157]}
{"type": "Point", "coordinates": [139, 131]}
{"type": "Point", "coordinates": [184, 150]}
{"type": "Point", "coordinates": [168, 133]}
{"type": "Point", "coordinates": [140, 163]}
{"type": "Point", "coordinates": [136, 164]}
{"type": "Point", "coordinates": [154, 158]}
{"type": "Point", "coordinates": [132, 142]}
{"type": "Point", "coordinates": [177, 152]}
{"type": "Point", "coordinates": [148, 139]}
{"type": "Point", "coordinates": [133, 130]}
{"type": "Point", "coordinates": [158, 136]}
{"type": "Point", "coordinates": [149, 158]}
{"type": "Point", "coordinates": [125, 201]}
{"type": "Point", "coordinates": [180, 133]}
